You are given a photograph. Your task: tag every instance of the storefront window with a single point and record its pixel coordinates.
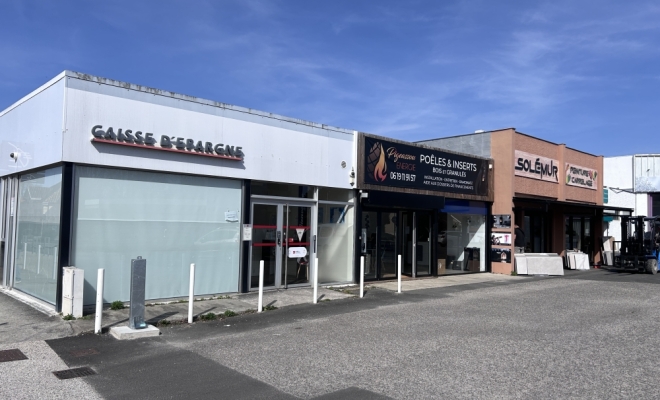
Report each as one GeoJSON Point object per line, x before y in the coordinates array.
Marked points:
{"type": "Point", "coordinates": [170, 220]}
{"type": "Point", "coordinates": [38, 234]}
{"type": "Point", "coordinates": [462, 237]}
{"type": "Point", "coordinates": [335, 246]}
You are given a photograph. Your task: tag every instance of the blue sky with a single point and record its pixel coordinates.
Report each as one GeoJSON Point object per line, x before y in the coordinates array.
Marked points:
{"type": "Point", "coordinates": [584, 73]}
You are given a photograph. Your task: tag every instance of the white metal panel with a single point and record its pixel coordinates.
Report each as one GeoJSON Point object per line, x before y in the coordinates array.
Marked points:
{"type": "Point", "coordinates": [33, 128]}
{"type": "Point", "coordinates": [275, 150]}
{"type": "Point", "coordinates": [618, 172]}
{"type": "Point", "coordinates": [647, 173]}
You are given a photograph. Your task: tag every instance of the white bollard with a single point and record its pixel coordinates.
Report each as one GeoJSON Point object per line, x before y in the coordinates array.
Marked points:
{"type": "Point", "coordinates": [191, 293]}
{"type": "Point", "coordinates": [99, 300]}
{"type": "Point", "coordinates": [399, 273]}
{"type": "Point", "coordinates": [260, 304]}
{"type": "Point", "coordinates": [39, 260]}
{"type": "Point", "coordinates": [361, 276]}
{"type": "Point", "coordinates": [55, 263]}
{"type": "Point", "coordinates": [316, 280]}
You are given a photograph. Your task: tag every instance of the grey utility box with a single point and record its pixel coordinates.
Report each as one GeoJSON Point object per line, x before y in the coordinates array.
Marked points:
{"type": "Point", "coordinates": [73, 283]}
{"type": "Point", "coordinates": [138, 279]}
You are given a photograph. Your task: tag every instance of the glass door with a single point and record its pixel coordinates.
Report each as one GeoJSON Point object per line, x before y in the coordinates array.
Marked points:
{"type": "Point", "coordinates": [297, 245]}
{"type": "Point", "coordinates": [281, 237]}
{"type": "Point", "coordinates": [407, 236]}
{"type": "Point", "coordinates": [369, 243]}
{"type": "Point", "coordinates": [388, 248]}
{"type": "Point", "coordinates": [266, 243]}
{"type": "Point", "coordinates": [423, 240]}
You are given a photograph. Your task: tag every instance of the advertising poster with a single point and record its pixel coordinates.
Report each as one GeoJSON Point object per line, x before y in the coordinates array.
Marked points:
{"type": "Point", "coordinates": [501, 255]}
{"type": "Point", "coordinates": [400, 165]}
{"type": "Point", "coordinates": [501, 221]}
{"type": "Point", "coordinates": [500, 238]}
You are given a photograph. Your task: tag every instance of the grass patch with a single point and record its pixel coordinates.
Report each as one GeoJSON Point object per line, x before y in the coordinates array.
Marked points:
{"type": "Point", "coordinates": [250, 311]}
{"type": "Point", "coordinates": [514, 273]}
{"type": "Point", "coordinates": [230, 313]}
{"type": "Point", "coordinates": [68, 317]}
{"type": "Point", "coordinates": [208, 317]}
{"type": "Point", "coordinates": [223, 297]}
{"type": "Point", "coordinates": [86, 317]}
{"type": "Point", "coordinates": [270, 308]}
{"type": "Point", "coordinates": [117, 305]}
{"type": "Point", "coordinates": [163, 322]}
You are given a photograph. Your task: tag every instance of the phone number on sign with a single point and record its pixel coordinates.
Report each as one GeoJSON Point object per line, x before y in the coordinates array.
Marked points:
{"type": "Point", "coordinates": [398, 176]}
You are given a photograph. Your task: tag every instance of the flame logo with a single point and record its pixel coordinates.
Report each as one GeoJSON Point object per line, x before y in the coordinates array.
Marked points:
{"type": "Point", "coordinates": [376, 165]}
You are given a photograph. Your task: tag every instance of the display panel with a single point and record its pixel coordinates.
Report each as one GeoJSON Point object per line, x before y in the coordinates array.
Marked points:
{"type": "Point", "coordinates": [38, 233]}
{"type": "Point", "coordinates": [170, 220]}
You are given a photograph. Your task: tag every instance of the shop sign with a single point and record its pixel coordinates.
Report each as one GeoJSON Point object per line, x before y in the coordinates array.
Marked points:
{"type": "Point", "coordinates": [536, 167]}
{"type": "Point", "coordinates": [147, 140]}
{"type": "Point", "coordinates": [500, 239]}
{"type": "Point", "coordinates": [582, 177]}
{"type": "Point", "coordinates": [405, 166]}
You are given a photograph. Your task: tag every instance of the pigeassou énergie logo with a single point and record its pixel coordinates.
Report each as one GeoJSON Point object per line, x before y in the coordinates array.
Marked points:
{"type": "Point", "coordinates": [376, 165]}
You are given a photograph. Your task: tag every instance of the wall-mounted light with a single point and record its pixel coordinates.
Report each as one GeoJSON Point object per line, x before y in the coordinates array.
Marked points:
{"type": "Point", "coordinates": [14, 156]}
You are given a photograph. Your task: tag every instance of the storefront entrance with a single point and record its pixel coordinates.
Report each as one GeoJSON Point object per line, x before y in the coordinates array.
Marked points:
{"type": "Point", "coordinates": [386, 234]}
{"type": "Point", "coordinates": [282, 238]}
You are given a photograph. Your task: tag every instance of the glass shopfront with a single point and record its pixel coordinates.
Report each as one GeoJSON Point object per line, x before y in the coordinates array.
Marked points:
{"type": "Point", "coordinates": [291, 224]}
{"type": "Point", "coordinates": [170, 220]}
{"type": "Point", "coordinates": [38, 233]}
{"type": "Point", "coordinates": [447, 240]}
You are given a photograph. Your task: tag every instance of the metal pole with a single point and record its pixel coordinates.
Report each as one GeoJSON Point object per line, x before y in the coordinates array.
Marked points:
{"type": "Point", "coordinates": [39, 260]}
{"type": "Point", "coordinates": [191, 293]}
{"type": "Point", "coordinates": [55, 263]}
{"type": "Point", "coordinates": [316, 280]}
{"type": "Point", "coordinates": [399, 257]}
{"type": "Point", "coordinates": [260, 304]}
{"type": "Point", "coordinates": [361, 276]}
{"type": "Point", "coordinates": [99, 300]}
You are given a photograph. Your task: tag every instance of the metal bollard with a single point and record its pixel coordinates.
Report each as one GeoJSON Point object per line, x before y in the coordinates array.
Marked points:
{"type": "Point", "coordinates": [361, 276]}
{"type": "Point", "coordinates": [99, 300]}
{"type": "Point", "coordinates": [399, 291]}
{"type": "Point", "coordinates": [260, 304]}
{"type": "Point", "coordinates": [316, 280]}
{"type": "Point", "coordinates": [191, 293]}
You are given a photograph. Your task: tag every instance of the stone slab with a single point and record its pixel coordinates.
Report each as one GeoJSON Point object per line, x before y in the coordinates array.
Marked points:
{"type": "Point", "coordinates": [126, 333]}
{"type": "Point", "coordinates": [544, 264]}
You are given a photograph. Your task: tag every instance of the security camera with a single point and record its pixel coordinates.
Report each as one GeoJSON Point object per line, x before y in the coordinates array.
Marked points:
{"type": "Point", "coordinates": [14, 155]}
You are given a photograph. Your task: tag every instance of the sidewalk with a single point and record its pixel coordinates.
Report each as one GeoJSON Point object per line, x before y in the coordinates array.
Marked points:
{"type": "Point", "coordinates": [445, 281]}
{"type": "Point", "coordinates": [238, 303]}
{"type": "Point", "coordinates": [19, 322]}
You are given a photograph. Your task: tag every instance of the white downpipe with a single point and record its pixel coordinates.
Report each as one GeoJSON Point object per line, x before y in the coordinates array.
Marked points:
{"type": "Point", "coordinates": [399, 283]}
{"type": "Point", "coordinates": [191, 293]}
{"type": "Point", "coordinates": [99, 300]}
{"type": "Point", "coordinates": [361, 276]}
{"type": "Point", "coordinates": [316, 280]}
{"type": "Point", "coordinates": [39, 260]}
{"type": "Point", "coordinates": [260, 304]}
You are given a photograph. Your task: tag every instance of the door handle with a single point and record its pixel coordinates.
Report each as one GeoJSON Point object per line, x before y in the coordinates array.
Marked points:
{"type": "Point", "coordinates": [279, 238]}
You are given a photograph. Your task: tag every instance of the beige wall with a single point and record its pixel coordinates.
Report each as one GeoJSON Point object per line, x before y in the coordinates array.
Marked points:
{"type": "Point", "coordinates": [507, 185]}
{"type": "Point", "coordinates": [502, 152]}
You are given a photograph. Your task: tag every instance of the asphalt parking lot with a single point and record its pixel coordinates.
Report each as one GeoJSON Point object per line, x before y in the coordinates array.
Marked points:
{"type": "Point", "coordinates": [587, 335]}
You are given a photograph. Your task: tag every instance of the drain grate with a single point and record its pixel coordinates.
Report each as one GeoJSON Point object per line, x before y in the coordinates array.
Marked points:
{"type": "Point", "coordinates": [74, 373]}
{"type": "Point", "coordinates": [12, 355]}
{"type": "Point", "coordinates": [84, 352]}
